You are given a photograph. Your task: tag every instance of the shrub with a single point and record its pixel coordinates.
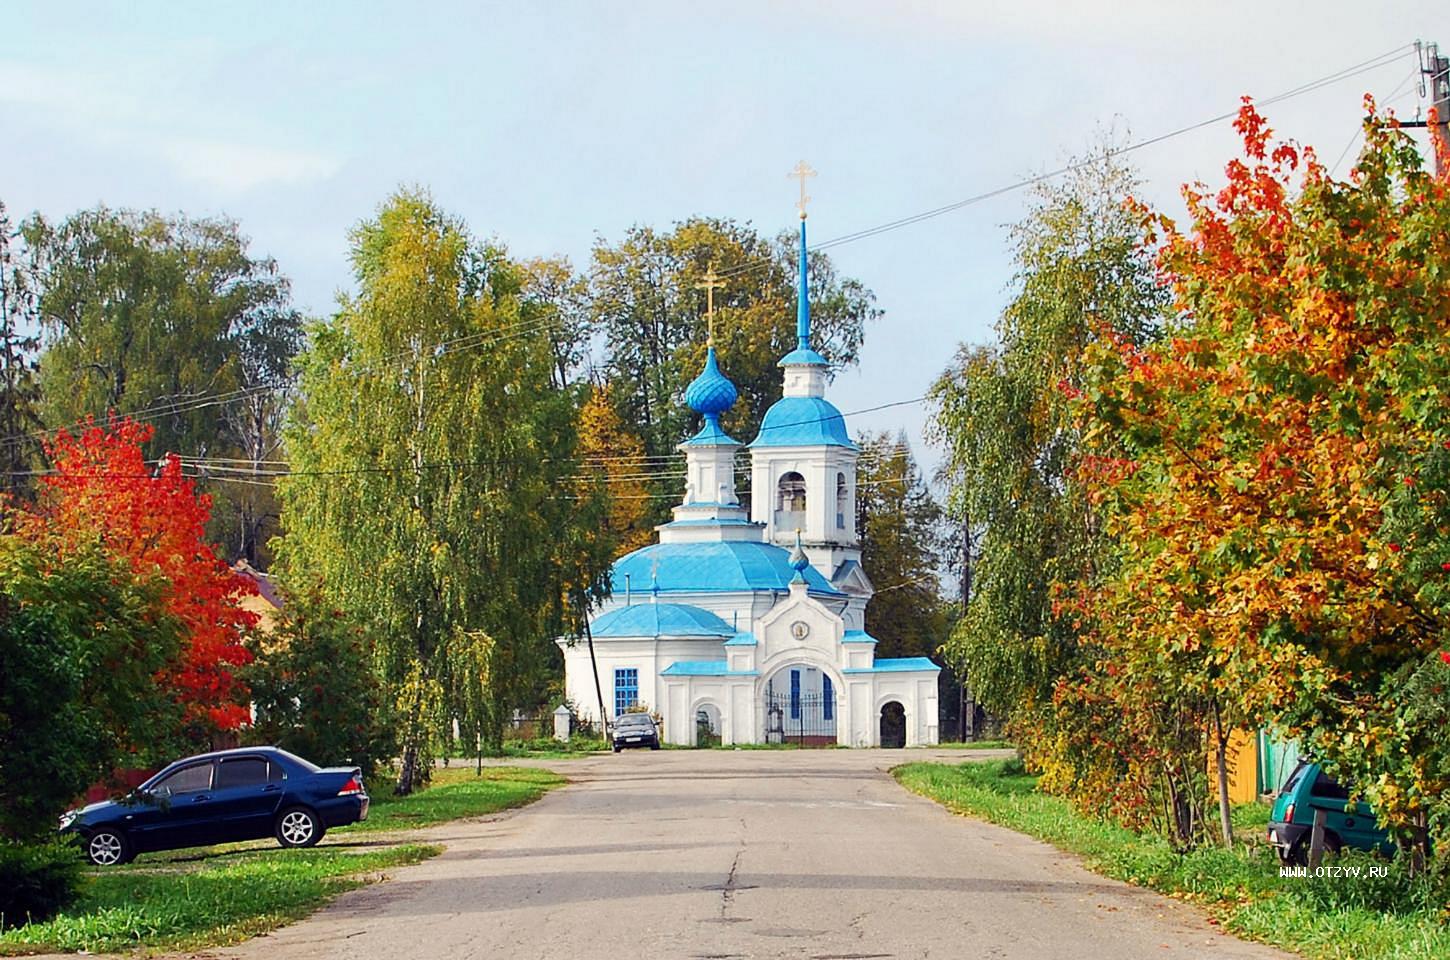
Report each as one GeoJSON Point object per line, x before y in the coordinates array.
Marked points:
{"type": "Point", "coordinates": [315, 689]}
{"type": "Point", "coordinates": [36, 880]}
{"type": "Point", "coordinates": [82, 641]}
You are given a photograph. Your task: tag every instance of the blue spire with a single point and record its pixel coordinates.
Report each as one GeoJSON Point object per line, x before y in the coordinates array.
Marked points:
{"type": "Point", "coordinates": [711, 394]}
{"type": "Point", "coordinates": [803, 354]}
{"type": "Point", "coordinates": [802, 298]}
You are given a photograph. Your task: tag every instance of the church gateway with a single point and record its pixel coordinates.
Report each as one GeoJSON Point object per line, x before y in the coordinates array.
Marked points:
{"type": "Point", "coordinates": [748, 624]}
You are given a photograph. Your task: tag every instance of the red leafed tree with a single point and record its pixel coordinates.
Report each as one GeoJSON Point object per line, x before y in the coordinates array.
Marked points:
{"type": "Point", "coordinates": [103, 488]}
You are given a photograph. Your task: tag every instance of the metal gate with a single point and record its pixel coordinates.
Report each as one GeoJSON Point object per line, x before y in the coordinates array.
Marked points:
{"type": "Point", "coordinates": [808, 719]}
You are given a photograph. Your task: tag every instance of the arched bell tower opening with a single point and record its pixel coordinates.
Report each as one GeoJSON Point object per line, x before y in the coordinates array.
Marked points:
{"type": "Point", "coordinates": [790, 502]}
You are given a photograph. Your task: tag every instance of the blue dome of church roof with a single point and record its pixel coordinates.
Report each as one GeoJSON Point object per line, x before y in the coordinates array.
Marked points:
{"type": "Point", "coordinates": [651, 619]}
{"type": "Point", "coordinates": [803, 422]}
{"type": "Point", "coordinates": [710, 393]}
{"type": "Point", "coordinates": [712, 567]}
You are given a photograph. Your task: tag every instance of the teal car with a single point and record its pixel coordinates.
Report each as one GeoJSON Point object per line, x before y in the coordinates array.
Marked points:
{"type": "Point", "coordinates": [1308, 789]}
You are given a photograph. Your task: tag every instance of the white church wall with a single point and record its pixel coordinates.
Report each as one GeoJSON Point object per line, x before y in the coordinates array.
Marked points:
{"type": "Point", "coordinates": [863, 726]}
{"type": "Point", "coordinates": [928, 717]}
{"type": "Point", "coordinates": [742, 723]}
{"type": "Point", "coordinates": [916, 692]}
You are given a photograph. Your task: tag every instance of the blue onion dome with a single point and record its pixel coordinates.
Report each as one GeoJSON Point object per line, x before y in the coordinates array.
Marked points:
{"type": "Point", "coordinates": [799, 562]}
{"type": "Point", "coordinates": [711, 393]}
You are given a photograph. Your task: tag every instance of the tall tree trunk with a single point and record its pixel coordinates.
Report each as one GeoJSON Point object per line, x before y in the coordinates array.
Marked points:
{"type": "Point", "coordinates": [1220, 749]}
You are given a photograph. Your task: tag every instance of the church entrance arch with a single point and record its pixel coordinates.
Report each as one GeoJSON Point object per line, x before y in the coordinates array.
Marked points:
{"type": "Point", "coordinates": [893, 724]}
{"type": "Point", "coordinates": [800, 706]}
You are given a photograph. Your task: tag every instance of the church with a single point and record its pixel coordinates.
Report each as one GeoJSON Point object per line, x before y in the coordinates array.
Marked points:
{"type": "Point", "coordinates": [745, 624]}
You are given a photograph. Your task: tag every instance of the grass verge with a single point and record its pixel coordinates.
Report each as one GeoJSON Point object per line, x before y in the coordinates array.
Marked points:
{"type": "Point", "coordinates": [454, 793]}
{"type": "Point", "coordinates": [547, 748]}
{"type": "Point", "coordinates": [974, 745]}
{"type": "Point", "coordinates": [1382, 918]}
{"type": "Point", "coordinates": [227, 899]}
{"type": "Point", "coordinates": [190, 899]}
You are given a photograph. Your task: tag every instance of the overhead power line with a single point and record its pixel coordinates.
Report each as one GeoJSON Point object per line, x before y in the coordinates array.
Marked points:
{"type": "Point", "coordinates": [489, 338]}
{"type": "Point", "coordinates": [236, 474]}
{"type": "Point", "coordinates": [1355, 70]}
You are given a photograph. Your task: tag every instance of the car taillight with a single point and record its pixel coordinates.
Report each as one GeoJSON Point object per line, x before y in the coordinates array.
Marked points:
{"type": "Point", "coordinates": [1289, 813]}
{"type": "Point", "coordinates": [353, 786]}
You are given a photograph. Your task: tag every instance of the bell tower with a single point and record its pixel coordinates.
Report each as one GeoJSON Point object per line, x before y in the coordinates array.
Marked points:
{"type": "Point", "coordinates": [803, 463]}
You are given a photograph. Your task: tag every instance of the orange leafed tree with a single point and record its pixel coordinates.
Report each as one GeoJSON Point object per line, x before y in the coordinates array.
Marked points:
{"type": "Point", "coordinates": [1282, 519]}
{"type": "Point", "coordinates": [615, 457]}
{"type": "Point", "coordinates": [103, 489]}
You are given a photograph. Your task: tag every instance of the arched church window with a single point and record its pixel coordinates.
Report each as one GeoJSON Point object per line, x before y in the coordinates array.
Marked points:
{"type": "Point", "coordinates": [843, 501]}
{"type": "Point", "coordinates": [791, 493]}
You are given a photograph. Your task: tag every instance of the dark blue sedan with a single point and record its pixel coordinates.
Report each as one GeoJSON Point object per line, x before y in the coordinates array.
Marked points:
{"type": "Point", "coordinates": [222, 797]}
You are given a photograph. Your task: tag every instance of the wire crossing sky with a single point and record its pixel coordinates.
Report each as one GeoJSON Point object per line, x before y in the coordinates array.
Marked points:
{"type": "Point", "coordinates": [548, 126]}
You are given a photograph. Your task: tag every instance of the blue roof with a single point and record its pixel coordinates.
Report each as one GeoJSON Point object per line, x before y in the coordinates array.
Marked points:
{"type": "Point", "coordinates": [803, 422]}
{"type": "Point", "coordinates": [858, 636]}
{"type": "Point", "coordinates": [899, 665]}
{"type": "Point", "coordinates": [743, 639]}
{"type": "Point", "coordinates": [651, 619]}
{"type": "Point", "coordinates": [703, 668]}
{"type": "Point", "coordinates": [711, 435]}
{"type": "Point", "coordinates": [714, 567]}
{"type": "Point", "coordinates": [803, 356]}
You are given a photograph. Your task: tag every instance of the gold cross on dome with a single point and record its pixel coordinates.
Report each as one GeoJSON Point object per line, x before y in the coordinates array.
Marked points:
{"type": "Point", "coordinates": [711, 282]}
{"type": "Point", "coordinates": [801, 172]}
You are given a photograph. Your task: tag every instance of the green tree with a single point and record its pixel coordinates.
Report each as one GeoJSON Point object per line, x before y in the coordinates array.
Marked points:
{"type": "Point", "coordinates": [171, 319]}
{"type": "Point", "coordinates": [19, 386]}
{"type": "Point", "coordinates": [1014, 453]}
{"type": "Point", "coordinates": [900, 528]}
{"type": "Point", "coordinates": [431, 492]}
{"type": "Point", "coordinates": [559, 298]}
{"type": "Point", "coordinates": [82, 642]}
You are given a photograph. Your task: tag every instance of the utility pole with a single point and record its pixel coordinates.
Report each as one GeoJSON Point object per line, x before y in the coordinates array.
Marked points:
{"type": "Point", "coordinates": [966, 727]}
{"type": "Point", "coordinates": [1435, 84]}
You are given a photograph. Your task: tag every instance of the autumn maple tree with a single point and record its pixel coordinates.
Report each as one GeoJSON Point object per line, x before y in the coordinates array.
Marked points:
{"type": "Point", "coordinates": [103, 489]}
{"type": "Point", "coordinates": [1274, 472]}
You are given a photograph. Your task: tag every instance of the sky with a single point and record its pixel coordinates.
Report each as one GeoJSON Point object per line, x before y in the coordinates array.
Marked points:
{"type": "Point", "coordinates": [548, 125]}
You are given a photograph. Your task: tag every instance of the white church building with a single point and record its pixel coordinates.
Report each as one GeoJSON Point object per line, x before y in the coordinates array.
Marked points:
{"type": "Point", "coordinates": [748, 624]}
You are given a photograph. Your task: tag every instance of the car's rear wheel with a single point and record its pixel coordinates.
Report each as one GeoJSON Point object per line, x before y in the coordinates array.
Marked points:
{"type": "Point", "coordinates": [298, 827]}
{"type": "Point", "coordinates": [108, 848]}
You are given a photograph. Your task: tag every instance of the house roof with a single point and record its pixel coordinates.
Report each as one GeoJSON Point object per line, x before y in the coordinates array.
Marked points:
{"type": "Point", "coordinates": [265, 588]}
{"type": "Point", "coordinates": [713, 567]}
{"type": "Point", "coordinates": [652, 619]}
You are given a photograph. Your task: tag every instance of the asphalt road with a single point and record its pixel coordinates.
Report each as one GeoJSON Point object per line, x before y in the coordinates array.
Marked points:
{"type": "Point", "coordinates": [725, 854]}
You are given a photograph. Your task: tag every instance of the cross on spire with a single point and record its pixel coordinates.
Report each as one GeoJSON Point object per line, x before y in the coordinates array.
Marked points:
{"type": "Point", "coordinates": [801, 172]}
{"type": "Point", "coordinates": [711, 282]}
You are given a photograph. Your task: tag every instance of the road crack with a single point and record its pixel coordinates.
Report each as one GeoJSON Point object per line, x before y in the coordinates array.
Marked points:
{"type": "Point", "coordinates": [727, 892]}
